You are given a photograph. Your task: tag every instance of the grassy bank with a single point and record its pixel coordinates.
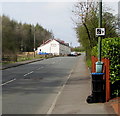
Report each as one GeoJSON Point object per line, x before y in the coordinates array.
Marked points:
{"type": "Point", "coordinates": [23, 57]}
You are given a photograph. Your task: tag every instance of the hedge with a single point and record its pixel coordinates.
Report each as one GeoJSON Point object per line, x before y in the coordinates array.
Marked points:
{"type": "Point", "coordinates": [111, 50]}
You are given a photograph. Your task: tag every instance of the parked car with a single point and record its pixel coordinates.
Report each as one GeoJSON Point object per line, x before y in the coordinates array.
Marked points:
{"type": "Point", "coordinates": [73, 54]}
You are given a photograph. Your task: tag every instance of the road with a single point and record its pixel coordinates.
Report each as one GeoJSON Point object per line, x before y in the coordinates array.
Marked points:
{"type": "Point", "coordinates": [33, 88]}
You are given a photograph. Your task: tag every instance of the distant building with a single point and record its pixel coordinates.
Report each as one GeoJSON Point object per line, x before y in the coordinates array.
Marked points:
{"type": "Point", "coordinates": [55, 47]}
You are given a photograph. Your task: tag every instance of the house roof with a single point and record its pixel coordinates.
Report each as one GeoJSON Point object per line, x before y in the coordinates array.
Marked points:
{"type": "Point", "coordinates": [59, 41]}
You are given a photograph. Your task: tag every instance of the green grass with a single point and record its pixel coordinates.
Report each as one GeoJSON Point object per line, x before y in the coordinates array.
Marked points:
{"type": "Point", "coordinates": [24, 59]}
{"type": "Point", "coordinates": [21, 58]}
{"type": "Point", "coordinates": [7, 62]}
{"type": "Point", "coordinates": [89, 63]}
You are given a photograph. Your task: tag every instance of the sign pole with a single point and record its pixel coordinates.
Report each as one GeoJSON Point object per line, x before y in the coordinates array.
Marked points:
{"type": "Point", "coordinates": [99, 64]}
{"type": "Point", "coordinates": [100, 25]}
{"type": "Point", "coordinates": [34, 41]}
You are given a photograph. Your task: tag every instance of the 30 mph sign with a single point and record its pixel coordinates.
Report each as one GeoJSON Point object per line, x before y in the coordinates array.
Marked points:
{"type": "Point", "coordinates": [100, 31]}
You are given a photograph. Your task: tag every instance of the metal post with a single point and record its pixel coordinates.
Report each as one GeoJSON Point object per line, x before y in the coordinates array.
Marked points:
{"type": "Point", "coordinates": [99, 64]}
{"type": "Point", "coordinates": [100, 25]}
{"type": "Point", "coordinates": [34, 41]}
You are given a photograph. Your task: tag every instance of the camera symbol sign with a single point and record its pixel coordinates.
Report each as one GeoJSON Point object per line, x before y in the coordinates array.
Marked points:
{"type": "Point", "coordinates": [100, 31]}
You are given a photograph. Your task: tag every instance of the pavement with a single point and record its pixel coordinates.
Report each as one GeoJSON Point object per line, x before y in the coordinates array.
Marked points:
{"type": "Point", "coordinates": [72, 97]}
{"type": "Point", "coordinates": [115, 103]}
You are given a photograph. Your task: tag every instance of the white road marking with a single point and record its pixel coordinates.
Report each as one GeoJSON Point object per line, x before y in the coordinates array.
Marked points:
{"type": "Point", "coordinates": [40, 68]}
{"type": "Point", "coordinates": [8, 82]}
{"type": "Point", "coordinates": [53, 63]}
{"type": "Point", "coordinates": [28, 73]}
{"type": "Point", "coordinates": [57, 96]}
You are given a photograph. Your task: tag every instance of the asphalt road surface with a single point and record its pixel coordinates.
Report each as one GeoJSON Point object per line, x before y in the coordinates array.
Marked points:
{"type": "Point", "coordinates": [32, 88]}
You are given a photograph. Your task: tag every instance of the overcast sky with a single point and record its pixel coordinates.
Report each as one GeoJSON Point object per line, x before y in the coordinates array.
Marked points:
{"type": "Point", "coordinates": [55, 16]}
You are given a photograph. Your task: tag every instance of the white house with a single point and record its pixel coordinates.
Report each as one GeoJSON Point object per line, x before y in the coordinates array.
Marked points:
{"type": "Point", "coordinates": [55, 47]}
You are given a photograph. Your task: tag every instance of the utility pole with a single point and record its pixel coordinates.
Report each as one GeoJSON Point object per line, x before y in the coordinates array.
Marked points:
{"type": "Point", "coordinates": [34, 41]}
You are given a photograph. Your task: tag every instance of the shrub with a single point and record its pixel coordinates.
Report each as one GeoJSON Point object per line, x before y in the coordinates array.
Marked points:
{"type": "Point", "coordinates": [111, 50]}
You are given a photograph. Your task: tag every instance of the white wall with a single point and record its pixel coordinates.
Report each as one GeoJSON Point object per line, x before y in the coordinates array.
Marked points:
{"type": "Point", "coordinates": [54, 47]}
{"type": "Point", "coordinates": [51, 47]}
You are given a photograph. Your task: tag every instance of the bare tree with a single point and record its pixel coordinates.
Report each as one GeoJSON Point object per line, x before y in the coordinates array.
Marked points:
{"type": "Point", "coordinates": [85, 11]}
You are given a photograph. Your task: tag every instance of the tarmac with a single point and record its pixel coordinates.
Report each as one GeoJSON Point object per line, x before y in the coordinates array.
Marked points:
{"type": "Point", "coordinates": [72, 99]}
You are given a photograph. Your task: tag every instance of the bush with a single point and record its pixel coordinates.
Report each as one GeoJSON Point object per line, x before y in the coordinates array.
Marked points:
{"type": "Point", "coordinates": [111, 50]}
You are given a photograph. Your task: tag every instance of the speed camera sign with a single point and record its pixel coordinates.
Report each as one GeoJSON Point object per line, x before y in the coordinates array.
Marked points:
{"type": "Point", "coordinates": [100, 31]}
